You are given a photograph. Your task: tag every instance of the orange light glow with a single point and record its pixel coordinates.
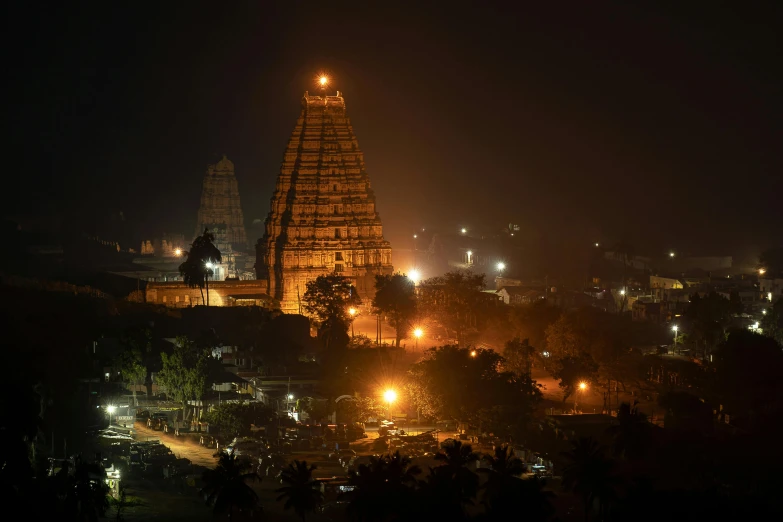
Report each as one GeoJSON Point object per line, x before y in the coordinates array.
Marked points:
{"type": "Point", "coordinates": [582, 386]}
{"type": "Point", "coordinates": [323, 80]}
{"type": "Point", "coordinates": [390, 396]}
{"type": "Point", "coordinates": [352, 311]}
{"type": "Point", "coordinates": [418, 332]}
{"type": "Point", "coordinates": [473, 353]}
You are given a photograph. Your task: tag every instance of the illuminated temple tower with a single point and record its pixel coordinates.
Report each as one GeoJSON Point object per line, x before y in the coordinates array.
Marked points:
{"type": "Point", "coordinates": [323, 217]}
{"type": "Point", "coordinates": [220, 210]}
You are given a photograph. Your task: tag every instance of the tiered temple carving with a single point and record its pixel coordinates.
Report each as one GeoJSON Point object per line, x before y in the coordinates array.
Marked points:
{"type": "Point", "coordinates": [323, 217]}
{"type": "Point", "coordinates": [220, 208]}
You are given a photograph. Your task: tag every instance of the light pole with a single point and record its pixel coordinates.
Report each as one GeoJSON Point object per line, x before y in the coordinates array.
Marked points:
{"type": "Point", "coordinates": [390, 396]}
{"type": "Point", "coordinates": [582, 387]}
{"type": "Point", "coordinates": [417, 333]}
{"type": "Point", "coordinates": [674, 329]}
{"type": "Point", "coordinates": [110, 410]}
{"type": "Point", "coordinates": [209, 266]}
{"type": "Point", "coordinates": [352, 313]}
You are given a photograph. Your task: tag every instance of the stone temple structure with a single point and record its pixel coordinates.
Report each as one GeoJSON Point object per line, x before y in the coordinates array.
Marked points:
{"type": "Point", "coordinates": [323, 217]}
{"type": "Point", "coordinates": [220, 209]}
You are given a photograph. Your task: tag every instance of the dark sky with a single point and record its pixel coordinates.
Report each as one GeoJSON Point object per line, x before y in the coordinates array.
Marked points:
{"type": "Point", "coordinates": [586, 123]}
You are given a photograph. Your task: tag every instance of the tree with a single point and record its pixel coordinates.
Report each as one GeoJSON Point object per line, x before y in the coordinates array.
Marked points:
{"type": "Point", "coordinates": [135, 346]}
{"type": "Point", "coordinates": [234, 419]}
{"type": "Point", "coordinates": [588, 473]}
{"type": "Point", "coordinates": [772, 322]}
{"type": "Point", "coordinates": [328, 299]}
{"type": "Point", "coordinates": [709, 316]}
{"type": "Point", "coordinates": [562, 339]}
{"type": "Point", "coordinates": [186, 371]}
{"type": "Point", "coordinates": [572, 370]}
{"type": "Point", "coordinates": [771, 261]}
{"type": "Point", "coordinates": [301, 493]}
{"type": "Point", "coordinates": [317, 409]}
{"type": "Point", "coordinates": [194, 270]}
{"type": "Point", "coordinates": [90, 491]}
{"type": "Point", "coordinates": [632, 436]}
{"type": "Point", "coordinates": [395, 297]}
{"type": "Point", "coordinates": [225, 487]}
{"type": "Point", "coordinates": [504, 490]}
{"type": "Point", "coordinates": [455, 458]}
{"type": "Point", "coordinates": [454, 298]}
{"type": "Point", "coordinates": [383, 489]}
{"type": "Point", "coordinates": [471, 386]}
{"type": "Point", "coordinates": [360, 409]}
{"type": "Point", "coordinates": [519, 357]}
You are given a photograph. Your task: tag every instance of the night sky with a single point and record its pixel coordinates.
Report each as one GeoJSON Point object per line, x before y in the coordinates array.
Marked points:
{"type": "Point", "coordinates": [592, 123]}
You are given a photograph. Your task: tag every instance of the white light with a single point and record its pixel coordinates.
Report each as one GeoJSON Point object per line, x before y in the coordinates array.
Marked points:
{"type": "Point", "coordinates": [769, 297]}
{"type": "Point", "coordinates": [470, 253]}
{"type": "Point", "coordinates": [290, 397]}
{"type": "Point", "coordinates": [764, 312]}
{"type": "Point", "coordinates": [111, 409]}
{"type": "Point", "coordinates": [414, 276]}
{"type": "Point", "coordinates": [501, 266]}
{"type": "Point", "coordinates": [415, 236]}
{"type": "Point", "coordinates": [209, 265]}
{"type": "Point", "coordinates": [622, 292]}
{"type": "Point", "coordinates": [596, 245]}
{"type": "Point", "coordinates": [464, 230]}
{"type": "Point", "coordinates": [546, 354]}
{"type": "Point", "coordinates": [674, 327]}
{"type": "Point", "coordinates": [671, 254]}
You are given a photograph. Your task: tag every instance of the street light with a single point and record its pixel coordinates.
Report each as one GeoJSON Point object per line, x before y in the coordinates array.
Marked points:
{"type": "Point", "coordinates": [417, 333]}
{"type": "Point", "coordinates": [597, 245]}
{"type": "Point", "coordinates": [580, 388]}
{"type": "Point", "coordinates": [110, 410]}
{"type": "Point", "coordinates": [464, 230]}
{"type": "Point", "coordinates": [762, 271]}
{"type": "Point", "coordinates": [390, 396]}
{"type": "Point", "coordinates": [352, 312]}
{"type": "Point", "coordinates": [501, 266]}
{"type": "Point", "coordinates": [622, 292]}
{"type": "Point", "coordinates": [473, 353]}
{"type": "Point", "coordinates": [414, 276]}
{"type": "Point", "coordinates": [671, 254]}
{"type": "Point", "coordinates": [177, 252]}
{"type": "Point", "coordinates": [674, 329]}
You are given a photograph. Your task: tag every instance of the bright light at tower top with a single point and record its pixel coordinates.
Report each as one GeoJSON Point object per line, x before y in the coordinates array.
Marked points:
{"type": "Point", "coordinates": [323, 80]}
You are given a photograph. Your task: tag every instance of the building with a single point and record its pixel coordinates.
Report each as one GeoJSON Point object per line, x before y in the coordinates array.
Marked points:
{"type": "Point", "coordinates": [657, 312]}
{"type": "Point", "coordinates": [323, 216]}
{"type": "Point", "coordinates": [220, 209]}
{"type": "Point", "coordinates": [771, 289]}
{"type": "Point", "coordinates": [176, 294]}
{"type": "Point", "coordinates": [662, 286]}
{"type": "Point", "coordinates": [518, 295]}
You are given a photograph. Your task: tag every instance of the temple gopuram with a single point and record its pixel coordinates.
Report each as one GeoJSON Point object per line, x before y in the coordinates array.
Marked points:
{"type": "Point", "coordinates": [220, 210]}
{"type": "Point", "coordinates": [323, 217]}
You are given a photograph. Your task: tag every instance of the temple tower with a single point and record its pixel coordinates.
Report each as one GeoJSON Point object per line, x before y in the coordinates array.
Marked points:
{"type": "Point", "coordinates": [323, 217]}
{"type": "Point", "coordinates": [220, 209]}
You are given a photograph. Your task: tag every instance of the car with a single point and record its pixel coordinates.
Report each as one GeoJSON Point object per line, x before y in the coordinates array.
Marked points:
{"type": "Point", "coordinates": [245, 448]}
{"type": "Point", "coordinates": [341, 454]}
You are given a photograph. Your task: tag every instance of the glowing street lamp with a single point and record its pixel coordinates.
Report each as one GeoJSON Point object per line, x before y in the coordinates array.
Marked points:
{"type": "Point", "coordinates": [390, 396]}
{"type": "Point", "coordinates": [674, 329]}
{"type": "Point", "coordinates": [501, 266]}
{"type": "Point", "coordinates": [418, 333]}
{"type": "Point", "coordinates": [671, 254]}
{"type": "Point", "coordinates": [597, 245]}
{"type": "Point", "coordinates": [209, 266]}
{"type": "Point", "coordinates": [414, 276]}
{"type": "Point", "coordinates": [762, 271]}
{"type": "Point", "coordinates": [581, 387]}
{"type": "Point", "coordinates": [352, 312]}
{"type": "Point", "coordinates": [473, 353]}
{"type": "Point", "coordinates": [323, 81]}
{"type": "Point", "coordinates": [464, 231]}
{"type": "Point", "coordinates": [110, 410]}
{"type": "Point", "coordinates": [764, 311]}
{"type": "Point", "coordinates": [622, 292]}
{"type": "Point", "coordinates": [177, 252]}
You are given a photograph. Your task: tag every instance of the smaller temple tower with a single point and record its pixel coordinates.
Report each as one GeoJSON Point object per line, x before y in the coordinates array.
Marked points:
{"type": "Point", "coordinates": [220, 210]}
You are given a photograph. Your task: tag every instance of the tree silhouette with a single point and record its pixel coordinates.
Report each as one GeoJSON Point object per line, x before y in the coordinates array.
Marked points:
{"type": "Point", "coordinates": [194, 269]}
{"type": "Point", "coordinates": [383, 489]}
{"type": "Point", "coordinates": [301, 492]}
{"type": "Point", "coordinates": [588, 473]}
{"type": "Point", "coordinates": [225, 487]}
{"type": "Point", "coordinates": [395, 297]}
{"type": "Point", "coordinates": [456, 457]}
{"type": "Point", "coordinates": [328, 299]}
{"type": "Point", "coordinates": [632, 436]}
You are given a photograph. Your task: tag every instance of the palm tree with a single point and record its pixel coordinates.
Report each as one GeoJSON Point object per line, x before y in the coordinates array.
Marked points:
{"type": "Point", "coordinates": [194, 271]}
{"type": "Point", "coordinates": [226, 486]}
{"type": "Point", "coordinates": [505, 490]}
{"type": "Point", "coordinates": [588, 474]}
{"type": "Point", "coordinates": [301, 493]}
{"type": "Point", "coordinates": [631, 437]}
{"type": "Point", "coordinates": [88, 492]}
{"type": "Point", "coordinates": [382, 489]}
{"type": "Point", "coordinates": [452, 485]}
